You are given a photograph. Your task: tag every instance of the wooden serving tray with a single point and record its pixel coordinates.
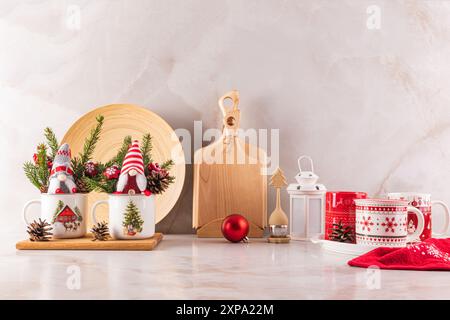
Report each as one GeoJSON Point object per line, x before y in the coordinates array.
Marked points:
{"type": "Point", "coordinates": [86, 243]}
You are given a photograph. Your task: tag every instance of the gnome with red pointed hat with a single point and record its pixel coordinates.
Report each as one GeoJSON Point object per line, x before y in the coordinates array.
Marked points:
{"type": "Point", "coordinates": [61, 176]}
{"type": "Point", "coordinates": [132, 178]}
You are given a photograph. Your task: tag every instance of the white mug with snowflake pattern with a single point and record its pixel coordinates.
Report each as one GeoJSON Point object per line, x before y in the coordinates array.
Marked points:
{"type": "Point", "coordinates": [65, 212]}
{"type": "Point", "coordinates": [131, 217]}
{"type": "Point", "coordinates": [384, 223]}
{"type": "Point", "coordinates": [423, 202]}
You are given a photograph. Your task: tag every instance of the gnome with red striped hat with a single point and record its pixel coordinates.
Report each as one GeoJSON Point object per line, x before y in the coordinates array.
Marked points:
{"type": "Point", "coordinates": [132, 178]}
{"type": "Point", "coordinates": [61, 176]}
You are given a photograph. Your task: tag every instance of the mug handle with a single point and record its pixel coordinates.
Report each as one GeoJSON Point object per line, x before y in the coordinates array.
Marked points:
{"type": "Point", "coordinates": [415, 236]}
{"type": "Point", "coordinates": [447, 217]}
{"type": "Point", "coordinates": [25, 210]}
{"type": "Point", "coordinates": [94, 208]}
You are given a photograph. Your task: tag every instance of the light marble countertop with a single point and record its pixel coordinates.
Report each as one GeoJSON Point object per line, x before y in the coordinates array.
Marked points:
{"type": "Point", "coordinates": [184, 267]}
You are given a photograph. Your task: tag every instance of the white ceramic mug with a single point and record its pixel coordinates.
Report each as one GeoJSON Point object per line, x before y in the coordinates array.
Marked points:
{"type": "Point", "coordinates": [423, 202]}
{"type": "Point", "coordinates": [130, 216]}
{"type": "Point", "coordinates": [383, 222]}
{"type": "Point", "coordinates": [65, 212]}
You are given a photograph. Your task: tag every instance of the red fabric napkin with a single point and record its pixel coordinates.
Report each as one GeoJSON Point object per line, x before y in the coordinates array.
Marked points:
{"type": "Point", "coordinates": [431, 254]}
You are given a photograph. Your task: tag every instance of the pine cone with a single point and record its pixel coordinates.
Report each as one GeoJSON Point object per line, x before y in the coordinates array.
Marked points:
{"type": "Point", "coordinates": [39, 230]}
{"type": "Point", "coordinates": [100, 231]}
{"type": "Point", "coordinates": [342, 234]}
{"type": "Point", "coordinates": [82, 186]}
{"type": "Point", "coordinates": [159, 181]}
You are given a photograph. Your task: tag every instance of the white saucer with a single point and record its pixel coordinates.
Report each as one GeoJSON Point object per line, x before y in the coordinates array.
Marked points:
{"type": "Point", "coordinates": [342, 247]}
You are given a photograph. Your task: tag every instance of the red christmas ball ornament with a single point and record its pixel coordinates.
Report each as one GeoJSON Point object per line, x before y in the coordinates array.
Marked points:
{"type": "Point", "coordinates": [112, 172]}
{"type": "Point", "coordinates": [235, 228]}
{"type": "Point", "coordinates": [153, 167]}
{"type": "Point", "coordinates": [91, 169]}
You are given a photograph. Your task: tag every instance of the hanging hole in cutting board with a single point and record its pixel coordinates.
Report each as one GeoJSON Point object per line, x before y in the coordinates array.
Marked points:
{"type": "Point", "coordinates": [228, 102]}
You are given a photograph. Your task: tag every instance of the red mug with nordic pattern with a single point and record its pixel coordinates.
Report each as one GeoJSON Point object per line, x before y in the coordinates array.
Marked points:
{"type": "Point", "coordinates": [340, 211]}
{"type": "Point", "coordinates": [384, 222]}
{"type": "Point", "coordinates": [423, 202]}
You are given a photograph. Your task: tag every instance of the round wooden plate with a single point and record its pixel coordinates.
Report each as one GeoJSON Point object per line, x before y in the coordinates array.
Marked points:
{"type": "Point", "coordinates": [122, 120]}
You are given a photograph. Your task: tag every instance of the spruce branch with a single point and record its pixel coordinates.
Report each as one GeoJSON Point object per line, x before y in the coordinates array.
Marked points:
{"type": "Point", "coordinates": [103, 185]}
{"type": "Point", "coordinates": [42, 167]}
{"type": "Point", "coordinates": [118, 159]}
{"type": "Point", "coordinates": [79, 162]}
{"type": "Point", "coordinates": [94, 185]}
{"type": "Point", "coordinates": [91, 141]}
{"type": "Point", "coordinates": [38, 173]}
{"type": "Point", "coordinates": [32, 174]}
{"type": "Point", "coordinates": [167, 165]}
{"type": "Point", "coordinates": [146, 149]}
{"type": "Point", "coordinates": [52, 141]}
{"type": "Point", "coordinates": [123, 151]}
{"type": "Point", "coordinates": [77, 167]}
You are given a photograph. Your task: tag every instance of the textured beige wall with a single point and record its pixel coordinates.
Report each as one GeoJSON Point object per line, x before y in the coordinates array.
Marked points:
{"type": "Point", "coordinates": [370, 106]}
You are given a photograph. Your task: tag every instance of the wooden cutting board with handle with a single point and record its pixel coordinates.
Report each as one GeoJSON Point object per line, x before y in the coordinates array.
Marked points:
{"type": "Point", "coordinates": [229, 178]}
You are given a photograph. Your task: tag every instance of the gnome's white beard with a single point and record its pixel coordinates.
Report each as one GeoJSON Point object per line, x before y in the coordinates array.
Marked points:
{"type": "Point", "coordinates": [141, 182]}
{"type": "Point", "coordinates": [57, 183]}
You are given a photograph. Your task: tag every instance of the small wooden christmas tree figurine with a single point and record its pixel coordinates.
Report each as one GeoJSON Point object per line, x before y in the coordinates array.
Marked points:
{"type": "Point", "coordinates": [278, 220]}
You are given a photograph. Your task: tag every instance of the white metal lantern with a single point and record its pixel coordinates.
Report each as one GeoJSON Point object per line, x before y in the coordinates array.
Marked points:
{"type": "Point", "coordinates": [307, 204]}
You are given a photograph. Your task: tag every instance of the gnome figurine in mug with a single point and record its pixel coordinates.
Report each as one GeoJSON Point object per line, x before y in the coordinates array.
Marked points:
{"type": "Point", "coordinates": [132, 178]}
{"type": "Point", "coordinates": [61, 176]}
